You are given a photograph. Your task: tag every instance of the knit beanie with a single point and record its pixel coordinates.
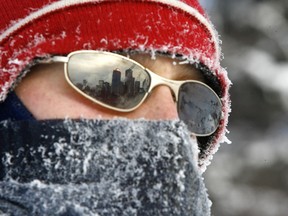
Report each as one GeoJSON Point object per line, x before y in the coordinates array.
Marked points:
{"type": "Point", "coordinates": [31, 29]}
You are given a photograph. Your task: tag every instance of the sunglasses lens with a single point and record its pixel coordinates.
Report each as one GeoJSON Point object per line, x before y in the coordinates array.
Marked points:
{"type": "Point", "coordinates": [108, 79]}
{"type": "Point", "coordinates": [199, 107]}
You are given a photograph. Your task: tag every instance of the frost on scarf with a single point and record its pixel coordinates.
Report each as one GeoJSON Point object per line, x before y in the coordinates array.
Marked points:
{"type": "Point", "coordinates": [100, 167]}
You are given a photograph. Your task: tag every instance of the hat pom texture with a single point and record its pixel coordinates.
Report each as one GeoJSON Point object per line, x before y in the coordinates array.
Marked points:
{"type": "Point", "coordinates": [30, 29]}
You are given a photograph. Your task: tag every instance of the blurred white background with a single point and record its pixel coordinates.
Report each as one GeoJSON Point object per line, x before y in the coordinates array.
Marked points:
{"type": "Point", "coordinates": [250, 176]}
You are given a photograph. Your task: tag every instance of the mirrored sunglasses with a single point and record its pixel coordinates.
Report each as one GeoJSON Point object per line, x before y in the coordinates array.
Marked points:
{"type": "Point", "coordinates": [122, 84]}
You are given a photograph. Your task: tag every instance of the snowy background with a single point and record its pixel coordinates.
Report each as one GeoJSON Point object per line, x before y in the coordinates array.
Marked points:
{"type": "Point", "coordinates": [250, 176]}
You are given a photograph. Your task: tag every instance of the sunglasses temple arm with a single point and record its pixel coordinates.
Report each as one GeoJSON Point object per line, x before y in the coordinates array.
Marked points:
{"type": "Point", "coordinates": [53, 59]}
{"type": "Point", "coordinates": [63, 59]}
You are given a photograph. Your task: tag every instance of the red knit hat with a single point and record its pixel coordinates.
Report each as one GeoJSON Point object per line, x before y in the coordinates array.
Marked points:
{"type": "Point", "coordinates": [32, 29]}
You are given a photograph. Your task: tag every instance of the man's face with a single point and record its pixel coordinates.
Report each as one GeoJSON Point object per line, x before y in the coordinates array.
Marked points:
{"type": "Point", "coordinates": [47, 95]}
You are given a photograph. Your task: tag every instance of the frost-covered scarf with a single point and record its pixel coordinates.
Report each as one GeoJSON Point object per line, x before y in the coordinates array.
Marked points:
{"type": "Point", "coordinates": [100, 167]}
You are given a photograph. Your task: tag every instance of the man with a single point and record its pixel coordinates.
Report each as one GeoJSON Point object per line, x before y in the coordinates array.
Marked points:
{"type": "Point", "coordinates": [65, 151]}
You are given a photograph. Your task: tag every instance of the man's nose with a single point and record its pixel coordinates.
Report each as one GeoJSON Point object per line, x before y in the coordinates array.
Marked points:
{"type": "Point", "coordinates": [160, 104]}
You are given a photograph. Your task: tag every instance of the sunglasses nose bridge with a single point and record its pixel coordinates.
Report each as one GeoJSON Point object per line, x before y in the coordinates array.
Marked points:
{"type": "Point", "coordinates": [173, 86]}
{"type": "Point", "coordinates": [157, 80]}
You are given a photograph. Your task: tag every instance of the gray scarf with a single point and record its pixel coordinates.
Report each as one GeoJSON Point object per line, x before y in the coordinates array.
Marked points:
{"type": "Point", "coordinates": [100, 167]}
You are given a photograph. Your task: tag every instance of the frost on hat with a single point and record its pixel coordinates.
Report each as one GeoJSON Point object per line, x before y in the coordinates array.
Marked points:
{"type": "Point", "coordinates": [31, 29]}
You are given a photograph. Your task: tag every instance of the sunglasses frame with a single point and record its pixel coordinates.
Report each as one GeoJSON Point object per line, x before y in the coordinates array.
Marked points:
{"type": "Point", "coordinates": [155, 80]}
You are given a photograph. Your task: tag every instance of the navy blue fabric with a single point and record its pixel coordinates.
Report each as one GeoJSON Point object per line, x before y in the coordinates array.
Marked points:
{"type": "Point", "coordinates": [13, 109]}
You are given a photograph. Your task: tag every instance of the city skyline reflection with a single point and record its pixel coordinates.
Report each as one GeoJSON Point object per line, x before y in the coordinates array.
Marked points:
{"type": "Point", "coordinates": [113, 83]}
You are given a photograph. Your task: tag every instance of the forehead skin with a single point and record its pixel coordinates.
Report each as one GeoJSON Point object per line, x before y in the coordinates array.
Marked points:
{"type": "Point", "coordinates": [169, 68]}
